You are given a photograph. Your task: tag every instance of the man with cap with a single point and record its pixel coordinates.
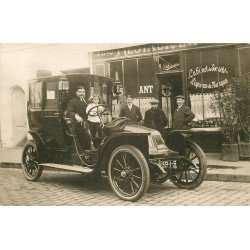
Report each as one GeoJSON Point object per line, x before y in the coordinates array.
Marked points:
{"type": "Point", "coordinates": [155, 118]}
{"type": "Point", "coordinates": [183, 115]}
{"type": "Point", "coordinates": [131, 111]}
{"type": "Point", "coordinates": [181, 121]}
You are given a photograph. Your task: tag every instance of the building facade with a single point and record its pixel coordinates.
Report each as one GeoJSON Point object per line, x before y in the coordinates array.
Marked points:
{"type": "Point", "coordinates": [163, 71]}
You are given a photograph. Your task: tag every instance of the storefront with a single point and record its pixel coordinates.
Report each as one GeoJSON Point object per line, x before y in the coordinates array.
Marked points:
{"type": "Point", "coordinates": [166, 70]}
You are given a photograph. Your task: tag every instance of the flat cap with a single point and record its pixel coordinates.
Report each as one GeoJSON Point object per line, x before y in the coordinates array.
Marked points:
{"type": "Point", "coordinates": [180, 96]}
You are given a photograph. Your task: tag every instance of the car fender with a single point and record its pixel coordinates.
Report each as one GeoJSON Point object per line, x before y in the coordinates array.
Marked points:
{"type": "Point", "coordinates": [138, 140]}
{"type": "Point", "coordinates": [40, 144]}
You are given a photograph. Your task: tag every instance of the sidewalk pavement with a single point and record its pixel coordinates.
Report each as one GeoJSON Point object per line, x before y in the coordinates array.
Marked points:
{"type": "Point", "coordinates": [217, 170]}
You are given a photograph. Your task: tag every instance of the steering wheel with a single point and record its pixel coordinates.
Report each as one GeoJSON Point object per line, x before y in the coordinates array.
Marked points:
{"type": "Point", "coordinates": [97, 112]}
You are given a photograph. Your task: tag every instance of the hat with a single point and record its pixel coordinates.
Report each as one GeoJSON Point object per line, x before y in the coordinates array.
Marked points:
{"type": "Point", "coordinates": [153, 101]}
{"type": "Point", "coordinates": [180, 96]}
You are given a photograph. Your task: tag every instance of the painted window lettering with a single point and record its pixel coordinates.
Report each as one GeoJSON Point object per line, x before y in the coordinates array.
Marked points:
{"type": "Point", "coordinates": [146, 89]}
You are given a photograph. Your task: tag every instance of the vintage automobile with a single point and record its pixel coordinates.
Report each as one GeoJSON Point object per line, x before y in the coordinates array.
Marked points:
{"type": "Point", "coordinates": [131, 156]}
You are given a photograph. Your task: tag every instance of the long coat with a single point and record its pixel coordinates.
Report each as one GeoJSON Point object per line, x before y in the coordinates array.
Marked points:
{"type": "Point", "coordinates": [155, 118]}
{"type": "Point", "coordinates": [76, 106]}
{"type": "Point", "coordinates": [134, 114]}
{"type": "Point", "coordinates": [182, 118]}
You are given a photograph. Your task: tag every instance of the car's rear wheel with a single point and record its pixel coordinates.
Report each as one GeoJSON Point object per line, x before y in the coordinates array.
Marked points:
{"type": "Point", "coordinates": [192, 169]}
{"type": "Point", "coordinates": [128, 173]}
{"type": "Point", "coordinates": [31, 169]}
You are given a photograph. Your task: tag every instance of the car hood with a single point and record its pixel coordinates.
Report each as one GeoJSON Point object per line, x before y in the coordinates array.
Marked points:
{"type": "Point", "coordinates": [139, 129]}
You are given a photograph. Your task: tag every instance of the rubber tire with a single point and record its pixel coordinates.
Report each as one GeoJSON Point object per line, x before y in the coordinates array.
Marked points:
{"type": "Point", "coordinates": [202, 159]}
{"type": "Point", "coordinates": [40, 168]}
{"type": "Point", "coordinates": [137, 154]}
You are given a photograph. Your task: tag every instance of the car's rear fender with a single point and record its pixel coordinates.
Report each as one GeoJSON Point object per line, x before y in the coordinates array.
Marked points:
{"type": "Point", "coordinates": [40, 144]}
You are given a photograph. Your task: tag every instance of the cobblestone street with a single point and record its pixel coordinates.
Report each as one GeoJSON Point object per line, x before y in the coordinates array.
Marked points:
{"type": "Point", "coordinates": [65, 188]}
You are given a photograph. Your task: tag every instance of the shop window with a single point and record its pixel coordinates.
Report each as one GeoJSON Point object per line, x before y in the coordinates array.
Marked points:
{"type": "Point", "coordinates": [194, 83]}
{"type": "Point", "coordinates": [146, 77]}
{"type": "Point", "coordinates": [116, 71]}
{"type": "Point", "coordinates": [209, 75]}
{"type": "Point", "coordinates": [131, 77]}
{"type": "Point", "coordinates": [227, 65]}
{"type": "Point", "coordinates": [207, 72]}
{"type": "Point", "coordinates": [169, 62]}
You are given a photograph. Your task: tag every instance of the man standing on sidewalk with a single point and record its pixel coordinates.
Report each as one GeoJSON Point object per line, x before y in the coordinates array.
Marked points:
{"type": "Point", "coordinates": [181, 121]}
{"type": "Point", "coordinates": [131, 111]}
{"type": "Point", "coordinates": [183, 115]}
{"type": "Point", "coordinates": [155, 118]}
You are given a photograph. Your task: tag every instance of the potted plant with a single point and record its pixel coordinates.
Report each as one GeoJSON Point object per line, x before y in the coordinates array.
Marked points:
{"type": "Point", "coordinates": [225, 100]}
{"type": "Point", "coordinates": [232, 101]}
{"type": "Point", "coordinates": [242, 91]}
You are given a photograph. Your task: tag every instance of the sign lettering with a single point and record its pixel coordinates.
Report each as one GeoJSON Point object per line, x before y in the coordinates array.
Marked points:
{"type": "Point", "coordinates": [146, 89]}
{"type": "Point", "coordinates": [140, 50]}
{"type": "Point", "coordinates": [192, 73]}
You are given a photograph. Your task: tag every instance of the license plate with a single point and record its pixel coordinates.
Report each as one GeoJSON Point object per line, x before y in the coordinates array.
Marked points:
{"type": "Point", "coordinates": [168, 164]}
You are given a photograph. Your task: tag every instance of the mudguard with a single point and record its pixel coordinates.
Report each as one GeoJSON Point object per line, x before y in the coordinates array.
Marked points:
{"type": "Point", "coordinates": [139, 140]}
{"type": "Point", "coordinates": [40, 144]}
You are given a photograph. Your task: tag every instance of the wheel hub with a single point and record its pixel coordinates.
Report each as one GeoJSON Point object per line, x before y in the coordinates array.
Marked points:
{"type": "Point", "coordinates": [123, 174]}
{"type": "Point", "coordinates": [126, 173]}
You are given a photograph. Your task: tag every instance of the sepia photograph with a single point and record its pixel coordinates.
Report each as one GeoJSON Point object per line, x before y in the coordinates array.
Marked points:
{"type": "Point", "coordinates": [110, 124]}
{"type": "Point", "coordinates": [124, 125]}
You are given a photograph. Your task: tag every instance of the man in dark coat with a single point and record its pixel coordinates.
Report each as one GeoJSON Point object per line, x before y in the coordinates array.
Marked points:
{"type": "Point", "coordinates": [131, 111]}
{"type": "Point", "coordinates": [183, 115]}
{"type": "Point", "coordinates": [77, 110]}
{"type": "Point", "coordinates": [182, 121]}
{"type": "Point", "coordinates": [155, 118]}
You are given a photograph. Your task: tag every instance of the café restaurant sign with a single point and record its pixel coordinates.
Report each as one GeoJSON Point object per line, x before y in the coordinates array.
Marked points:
{"type": "Point", "coordinates": [193, 73]}
{"type": "Point", "coordinates": [140, 50]}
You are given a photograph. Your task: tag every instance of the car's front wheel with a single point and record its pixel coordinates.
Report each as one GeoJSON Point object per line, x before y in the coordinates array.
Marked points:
{"type": "Point", "coordinates": [192, 168]}
{"type": "Point", "coordinates": [128, 173]}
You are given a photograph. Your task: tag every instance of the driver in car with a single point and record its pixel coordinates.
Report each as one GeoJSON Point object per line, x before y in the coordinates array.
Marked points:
{"type": "Point", "coordinates": [77, 110]}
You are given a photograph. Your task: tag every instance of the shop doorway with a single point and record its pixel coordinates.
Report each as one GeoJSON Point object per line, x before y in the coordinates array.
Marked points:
{"type": "Point", "coordinates": [171, 86]}
{"type": "Point", "coordinates": [19, 117]}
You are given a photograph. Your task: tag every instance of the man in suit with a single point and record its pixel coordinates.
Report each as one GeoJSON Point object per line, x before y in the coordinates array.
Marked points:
{"type": "Point", "coordinates": [155, 118]}
{"type": "Point", "coordinates": [131, 111]}
{"type": "Point", "coordinates": [77, 110]}
{"type": "Point", "coordinates": [181, 121]}
{"type": "Point", "coordinates": [183, 115]}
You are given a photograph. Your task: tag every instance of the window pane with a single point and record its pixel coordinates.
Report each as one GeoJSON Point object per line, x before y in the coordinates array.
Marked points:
{"type": "Point", "coordinates": [36, 94]}
{"type": "Point", "coordinates": [227, 65]}
{"type": "Point", "coordinates": [116, 71]}
{"type": "Point", "coordinates": [51, 95]}
{"type": "Point", "coordinates": [169, 62]}
{"type": "Point", "coordinates": [210, 71]}
{"type": "Point", "coordinates": [146, 77]}
{"type": "Point", "coordinates": [194, 83]}
{"type": "Point", "coordinates": [130, 77]}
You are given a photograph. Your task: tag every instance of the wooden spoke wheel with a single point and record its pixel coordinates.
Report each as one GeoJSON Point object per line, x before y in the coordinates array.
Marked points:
{"type": "Point", "coordinates": [128, 173]}
{"type": "Point", "coordinates": [31, 169]}
{"type": "Point", "coordinates": [192, 169]}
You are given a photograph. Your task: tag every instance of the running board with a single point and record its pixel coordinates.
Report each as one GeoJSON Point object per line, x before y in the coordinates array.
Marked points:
{"type": "Point", "coordinates": [75, 168]}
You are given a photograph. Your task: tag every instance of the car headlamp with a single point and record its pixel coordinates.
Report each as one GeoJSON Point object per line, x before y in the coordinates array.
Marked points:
{"type": "Point", "coordinates": [156, 140]}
